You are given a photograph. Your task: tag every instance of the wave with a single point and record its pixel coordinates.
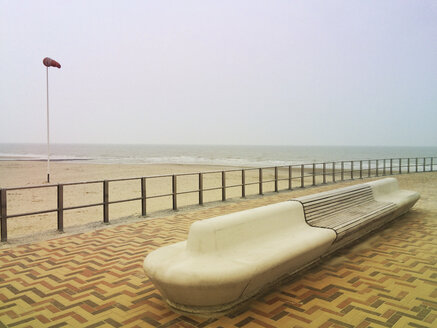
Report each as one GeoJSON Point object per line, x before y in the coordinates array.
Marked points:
{"type": "Point", "coordinates": [39, 157]}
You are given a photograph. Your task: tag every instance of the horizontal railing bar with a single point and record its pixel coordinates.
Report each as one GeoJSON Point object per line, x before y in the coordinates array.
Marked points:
{"type": "Point", "coordinates": [124, 179]}
{"type": "Point", "coordinates": [230, 170]}
{"type": "Point", "coordinates": [307, 175]}
{"type": "Point", "coordinates": [251, 183]}
{"type": "Point", "coordinates": [32, 213]}
{"type": "Point", "coordinates": [123, 200]}
{"type": "Point", "coordinates": [158, 176]}
{"type": "Point", "coordinates": [234, 186]}
{"type": "Point", "coordinates": [157, 196]}
{"type": "Point", "coordinates": [187, 192]}
{"type": "Point", "coordinates": [82, 206]}
{"type": "Point", "coordinates": [189, 173]}
{"type": "Point", "coordinates": [210, 189]}
{"type": "Point", "coordinates": [81, 182]}
{"type": "Point", "coordinates": [30, 187]}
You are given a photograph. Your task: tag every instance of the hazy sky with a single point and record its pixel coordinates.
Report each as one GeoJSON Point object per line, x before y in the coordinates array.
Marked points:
{"type": "Point", "coordinates": [220, 72]}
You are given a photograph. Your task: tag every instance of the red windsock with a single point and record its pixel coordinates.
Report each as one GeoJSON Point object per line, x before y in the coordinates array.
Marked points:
{"type": "Point", "coordinates": [50, 62]}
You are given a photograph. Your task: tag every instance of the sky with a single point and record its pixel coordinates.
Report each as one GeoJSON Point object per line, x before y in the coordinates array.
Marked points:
{"type": "Point", "coordinates": [220, 72]}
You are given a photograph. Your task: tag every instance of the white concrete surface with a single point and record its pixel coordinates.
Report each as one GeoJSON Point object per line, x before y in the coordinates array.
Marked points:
{"type": "Point", "coordinates": [387, 190]}
{"type": "Point", "coordinates": [229, 258]}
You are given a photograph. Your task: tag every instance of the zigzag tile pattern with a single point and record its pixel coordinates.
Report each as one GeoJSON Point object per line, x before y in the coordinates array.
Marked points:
{"type": "Point", "coordinates": [96, 279]}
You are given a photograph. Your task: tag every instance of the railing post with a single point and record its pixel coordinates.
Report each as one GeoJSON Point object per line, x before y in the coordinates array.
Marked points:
{"type": "Point", "coordinates": [383, 169]}
{"type": "Point", "coordinates": [276, 179]}
{"type": "Point", "coordinates": [243, 183]}
{"type": "Point", "coordinates": [174, 192]}
{"type": "Point", "coordinates": [432, 164]}
{"type": "Point", "coordinates": [260, 181]}
{"type": "Point", "coordinates": [143, 197]}
{"type": "Point", "coordinates": [223, 186]}
{"type": "Point", "coordinates": [302, 172]}
{"type": "Point", "coordinates": [342, 170]}
{"type": "Point", "coordinates": [361, 169]}
{"type": "Point", "coordinates": [400, 165]}
{"type": "Point", "coordinates": [369, 168]}
{"type": "Point", "coordinates": [352, 170]}
{"type": "Point", "coordinates": [408, 164]}
{"type": "Point", "coordinates": [60, 208]}
{"type": "Point", "coordinates": [3, 215]}
{"type": "Point", "coordinates": [417, 165]}
{"type": "Point", "coordinates": [200, 188]}
{"type": "Point", "coordinates": [290, 173]}
{"type": "Point", "coordinates": [314, 174]}
{"type": "Point", "coordinates": [105, 201]}
{"type": "Point", "coordinates": [333, 171]}
{"type": "Point", "coordinates": [377, 167]}
{"type": "Point", "coordinates": [391, 166]}
{"type": "Point", "coordinates": [324, 173]}
{"type": "Point", "coordinates": [424, 163]}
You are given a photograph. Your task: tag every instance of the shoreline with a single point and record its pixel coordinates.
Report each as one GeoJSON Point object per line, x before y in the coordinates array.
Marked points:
{"type": "Point", "coordinates": [25, 159]}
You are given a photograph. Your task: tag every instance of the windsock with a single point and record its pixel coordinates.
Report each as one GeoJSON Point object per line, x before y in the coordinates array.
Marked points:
{"type": "Point", "coordinates": [50, 62]}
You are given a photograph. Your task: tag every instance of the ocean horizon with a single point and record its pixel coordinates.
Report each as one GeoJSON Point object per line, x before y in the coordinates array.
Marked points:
{"type": "Point", "coordinates": [232, 155]}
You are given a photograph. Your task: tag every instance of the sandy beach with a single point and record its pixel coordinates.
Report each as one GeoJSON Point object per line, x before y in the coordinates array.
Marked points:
{"type": "Point", "coordinates": [42, 226]}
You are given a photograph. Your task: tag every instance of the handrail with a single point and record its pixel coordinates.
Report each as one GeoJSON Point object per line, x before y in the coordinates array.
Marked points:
{"type": "Point", "coordinates": [333, 171]}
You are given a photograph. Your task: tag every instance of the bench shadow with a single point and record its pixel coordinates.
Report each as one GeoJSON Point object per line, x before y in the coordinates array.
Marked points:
{"type": "Point", "coordinates": [336, 258]}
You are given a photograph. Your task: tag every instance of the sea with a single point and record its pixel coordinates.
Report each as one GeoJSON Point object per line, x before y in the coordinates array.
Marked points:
{"type": "Point", "coordinates": [241, 156]}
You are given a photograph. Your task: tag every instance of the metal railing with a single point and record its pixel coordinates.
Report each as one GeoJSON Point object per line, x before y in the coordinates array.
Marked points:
{"type": "Point", "coordinates": [296, 176]}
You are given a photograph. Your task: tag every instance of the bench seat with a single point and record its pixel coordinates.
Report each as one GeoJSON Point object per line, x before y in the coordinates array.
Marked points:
{"type": "Point", "coordinates": [228, 259]}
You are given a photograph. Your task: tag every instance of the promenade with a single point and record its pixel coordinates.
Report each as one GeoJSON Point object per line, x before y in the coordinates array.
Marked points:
{"type": "Point", "coordinates": [95, 279]}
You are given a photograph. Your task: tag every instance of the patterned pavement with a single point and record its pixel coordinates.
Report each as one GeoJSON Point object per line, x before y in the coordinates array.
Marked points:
{"type": "Point", "coordinates": [96, 279]}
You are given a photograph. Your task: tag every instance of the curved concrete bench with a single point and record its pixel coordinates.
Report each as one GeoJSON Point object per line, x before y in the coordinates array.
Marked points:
{"type": "Point", "coordinates": [229, 259]}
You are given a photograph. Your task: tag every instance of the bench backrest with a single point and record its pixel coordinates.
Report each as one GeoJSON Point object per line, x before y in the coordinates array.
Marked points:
{"type": "Point", "coordinates": [331, 202]}
{"type": "Point", "coordinates": [250, 226]}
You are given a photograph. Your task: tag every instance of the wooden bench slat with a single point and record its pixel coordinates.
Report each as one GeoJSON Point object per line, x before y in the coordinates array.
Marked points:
{"type": "Point", "coordinates": [368, 216]}
{"type": "Point", "coordinates": [343, 198]}
{"type": "Point", "coordinates": [317, 200]}
{"type": "Point", "coordinates": [337, 206]}
{"type": "Point", "coordinates": [346, 215]}
{"type": "Point", "coordinates": [363, 221]}
{"type": "Point", "coordinates": [333, 192]}
{"type": "Point", "coordinates": [349, 217]}
{"type": "Point", "coordinates": [359, 210]}
{"type": "Point", "coordinates": [329, 210]}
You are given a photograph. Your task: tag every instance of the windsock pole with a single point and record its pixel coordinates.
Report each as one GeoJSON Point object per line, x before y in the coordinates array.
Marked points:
{"type": "Point", "coordinates": [48, 128]}
{"type": "Point", "coordinates": [48, 62]}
